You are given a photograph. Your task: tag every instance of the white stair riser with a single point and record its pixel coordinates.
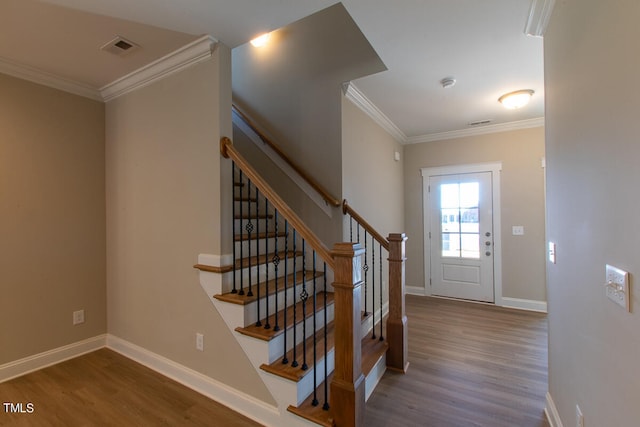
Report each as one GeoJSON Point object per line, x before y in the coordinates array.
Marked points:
{"type": "Point", "coordinates": [276, 345]}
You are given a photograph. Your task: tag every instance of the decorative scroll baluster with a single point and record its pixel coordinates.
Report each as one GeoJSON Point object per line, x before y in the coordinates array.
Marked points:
{"type": "Point", "coordinates": [325, 406]}
{"type": "Point", "coordinates": [285, 360]}
{"type": "Point", "coordinates": [241, 291]}
{"type": "Point", "coordinates": [304, 295]}
{"type": "Point", "coordinates": [314, 402]}
{"type": "Point", "coordinates": [373, 289]}
{"type": "Point", "coordinates": [249, 236]}
{"type": "Point", "coordinates": [294, 363]}
{"type": "Point", "coordinates": [276, 261]}
{"type": "Point", "coordinates": [380, 263]}
{"type": "Point", "coordinates": [235, 221]}
{"type": "Point", "coordinates": [365, 268]}
{"type": "Point", "coordinates": [257, 218]}
{"type": "Point", "coordinates": [266, 263]}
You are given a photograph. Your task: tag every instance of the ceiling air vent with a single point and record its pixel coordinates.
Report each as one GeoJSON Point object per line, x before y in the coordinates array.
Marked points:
{"type": "Point", "coordinates": [120, 46]}
{"type": "Point", "coordinates": [480, 122]}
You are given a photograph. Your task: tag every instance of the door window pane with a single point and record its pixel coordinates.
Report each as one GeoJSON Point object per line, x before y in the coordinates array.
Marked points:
{"type": "Point", "coordinates": [460, 220]}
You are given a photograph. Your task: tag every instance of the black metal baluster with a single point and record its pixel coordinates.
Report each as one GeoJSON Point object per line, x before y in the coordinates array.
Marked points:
{"type": "Point", "coordinates": [257, 218]}
{"type": "Point", "coordinates": [276, 261]}
{"type": "Point", "coordinates": [241, 291]}
{"type": "Point", "coordinates": [295, 362]}
{"type": "Point", "coordinates": [314, 402]}
{"type": "Point", "coordinates": [267, 325]}
{"type": "Point", "coordinates": [234, 219]}
{"type": "Point", "coordinates": [304, 295]}
{"type": "Point", "coordinates": [326, 369]}
{"type": "Point", "coordinates": [249, 236]}
{"type": "Point", "coordinates": [350, 228]}
{"type": "Point", "coordinates": [365, 267]}
{"type": "Point", "coordinates": [380, 262]}
{"type": "Point", "coordinates": [373, 288]}
{"type": "Point", "coordinates": [285, 360]}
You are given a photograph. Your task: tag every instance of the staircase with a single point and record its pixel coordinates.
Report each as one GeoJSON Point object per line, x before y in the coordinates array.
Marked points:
{"type": "Point", "coordinates": [295, 307]}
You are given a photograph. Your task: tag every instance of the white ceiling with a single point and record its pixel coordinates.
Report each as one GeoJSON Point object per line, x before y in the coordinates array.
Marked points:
{"type": "Point", "coordinates": [479, 43]}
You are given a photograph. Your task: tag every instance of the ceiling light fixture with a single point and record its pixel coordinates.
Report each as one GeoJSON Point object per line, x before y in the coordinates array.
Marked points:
{"type": "Point", "coordinates": [261, 40]}
{"type": "Point", "coordinates": [448, 82]}
{"type": "Point", "coordinates": [517, 99]}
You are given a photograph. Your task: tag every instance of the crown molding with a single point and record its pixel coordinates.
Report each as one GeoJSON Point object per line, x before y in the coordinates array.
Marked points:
{"type": "Point", "coordinates": [502, 127]}
{"type": "Point", "coordinates": [538, 18]}
{"type": "Point", "coordinates": [44, 78]}
{"type": "Point", "coordinates": [353, 94]}
{"type": "Point", "coordinates": [197, 51]}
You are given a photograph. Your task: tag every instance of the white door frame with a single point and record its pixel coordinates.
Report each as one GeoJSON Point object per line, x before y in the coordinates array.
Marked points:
{"type": "Point", "coordinates": [495, 168]}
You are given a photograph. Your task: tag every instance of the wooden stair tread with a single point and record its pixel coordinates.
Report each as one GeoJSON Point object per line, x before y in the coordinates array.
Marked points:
{"type": "Point", "coordinates": [296, 373]}
{"type": "Point", "coordinates": [268, 334]}
{"type": "Point", "coordinates": [246, 237]}
{"type": "Point", "coordinates": [235, 298]}
{"type": "Point", "coordinates": [312, 413]}
{"type": "Point", "coordinates": [372, 351]}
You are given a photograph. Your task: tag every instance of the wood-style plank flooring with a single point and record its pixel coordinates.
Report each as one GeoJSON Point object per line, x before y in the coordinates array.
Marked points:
{"type": "Point", "coordinates": [104, 388]}
{"type": "Point", "coordinates": [470, 365]}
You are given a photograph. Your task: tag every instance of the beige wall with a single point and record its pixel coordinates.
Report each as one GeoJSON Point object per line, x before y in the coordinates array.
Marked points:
{"type": "Point", "coordinates": [163, 209]}
{"type": "Point", "coordinates": [293, 88]}
{"type": "Point", "coordinates": [52, 218]}
{"type": "Point", "coordinates": [592, 208]}
{"type": "Point", "coordinates": [522, 203]}
{"type": "Point", "coordinates": [372, 181]}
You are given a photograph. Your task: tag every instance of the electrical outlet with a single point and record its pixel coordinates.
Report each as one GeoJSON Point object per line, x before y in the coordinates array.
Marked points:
{"type": "Point", "coordinates": [199, 342]}
{"type": "Point", "coordinates": [579, 417]}
{"type": "Point", "coordinates": [617, 286]}
{"type": "Point", "coordinates": [78, 317]}
{"type": "Point", "coordinates": [517, 230]}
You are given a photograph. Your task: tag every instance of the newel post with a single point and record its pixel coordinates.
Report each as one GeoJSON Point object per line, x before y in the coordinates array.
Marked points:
{"type": "Point", "coordinates": [397, 355]}
{"type": "Point", "coordinates": [347, 386]}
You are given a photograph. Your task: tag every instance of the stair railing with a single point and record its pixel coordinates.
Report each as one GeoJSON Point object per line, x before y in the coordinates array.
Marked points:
{"type": "Point", "coordinates": [394, 246]}
{"type": "Point", "coordinates": [256, 199]}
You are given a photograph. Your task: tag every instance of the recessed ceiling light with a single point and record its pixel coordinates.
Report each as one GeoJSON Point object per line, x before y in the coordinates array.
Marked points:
{"type": "Point", "coordinates": [517, 99]}
{"type": "Point", "coordinates": [261, 40]}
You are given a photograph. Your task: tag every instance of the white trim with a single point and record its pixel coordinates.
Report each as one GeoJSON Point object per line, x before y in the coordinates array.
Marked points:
{"type": "Point", "coordinates": [538, 18]}
{"type": "Point", "coordinates": [245, 404]}
{"type": "Point", "coordinates": [496, 169]}
{"type": "Point", "coordinates": [190, 54]}
{"type": "Point", "coordinates": [483, 130]}
{"type": "Point", "coordinates": [415, 290]}
{"type": "Point", "coordinates": [551, 412]}
{"type": "Point", "coordinates": [525, 304]}
{"type": "Point", "coordinates": [283, 165]}
{"type": "Point", "coordinates": [29, 364]}
{"type": "Point", "coordinates": [353, 94]}
{"type": "Point", "coordinates": [35, 75]}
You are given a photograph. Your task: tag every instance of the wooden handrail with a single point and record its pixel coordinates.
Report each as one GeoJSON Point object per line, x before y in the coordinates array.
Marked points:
{"type": "Point", "coordinates": [229, 151]}
{"type": "Point", "coordinates": [326, 196]}
{"type": "Point", "coordinates": [346, 209]}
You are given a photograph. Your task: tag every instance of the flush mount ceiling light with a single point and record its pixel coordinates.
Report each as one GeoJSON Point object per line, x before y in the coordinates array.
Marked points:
{"type": "Point", "coordinates": [517, 99]}
{"type": "Point", "coordinates": [261, 40]}
{"type": "Point", "coordinates": [448, 82]}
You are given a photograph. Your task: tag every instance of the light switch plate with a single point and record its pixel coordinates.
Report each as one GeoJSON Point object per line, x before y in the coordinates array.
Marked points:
{"type": "Point", "coordinates": [552, 252]}
{"type": "Point", "coordinates": [617, 286]}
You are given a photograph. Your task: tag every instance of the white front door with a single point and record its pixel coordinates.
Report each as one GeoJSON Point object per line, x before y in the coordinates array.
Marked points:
{"type": "Point", "coordinates": [461, 236]}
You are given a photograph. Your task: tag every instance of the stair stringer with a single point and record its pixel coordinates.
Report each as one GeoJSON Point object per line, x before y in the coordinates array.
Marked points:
{"type": "Point", "coordinates": [284, 392]}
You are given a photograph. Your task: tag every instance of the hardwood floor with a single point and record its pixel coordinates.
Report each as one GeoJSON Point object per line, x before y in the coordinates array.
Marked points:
{"type": "Point", "coordinates": [470, 365]}
{"type": "Point", "coordinates": [104, 388]}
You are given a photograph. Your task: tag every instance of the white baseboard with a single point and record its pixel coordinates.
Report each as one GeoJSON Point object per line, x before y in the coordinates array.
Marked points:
{"type": "Point", "coordinates": [414, 290]}
{"type": "Point", "coordinates": [242, 403]}
{"type": "Point", "coordinates": [551, 412]}
{"type": "Point", "coordinates": [525, 304]}
{"type": "Point", "coordinates": [33, 363]}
